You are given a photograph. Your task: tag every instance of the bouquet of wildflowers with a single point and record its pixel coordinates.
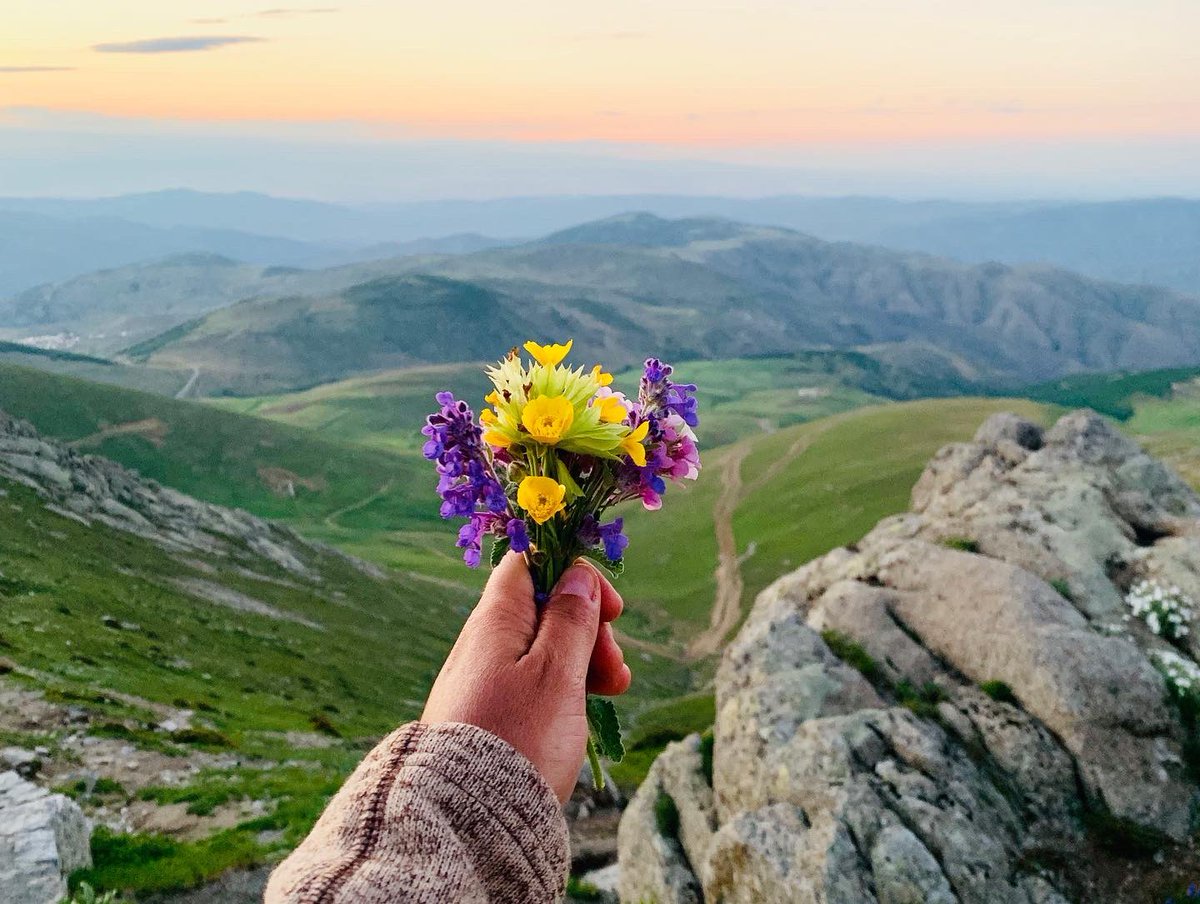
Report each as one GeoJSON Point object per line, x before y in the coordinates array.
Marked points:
{"type": "Point", "coordinates": [539, 468]}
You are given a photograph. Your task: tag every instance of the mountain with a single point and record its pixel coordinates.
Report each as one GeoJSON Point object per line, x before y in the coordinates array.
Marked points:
{"type": "Point", "coordinates": [1141, 241]}
{"type": "Point", "coordinates": [36, 248]}
{"type": "Point", "coordinates": [637, 285]}
{"type": "Point", "coordinates": [109, 310]}
{"type": "Point", "coordinates": [1145, 241]}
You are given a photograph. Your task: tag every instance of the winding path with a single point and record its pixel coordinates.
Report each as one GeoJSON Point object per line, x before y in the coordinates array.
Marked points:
{"type": "Point", "coordinates": [189, 385]}
{"type": "Point", "coordinates": [331, 518]}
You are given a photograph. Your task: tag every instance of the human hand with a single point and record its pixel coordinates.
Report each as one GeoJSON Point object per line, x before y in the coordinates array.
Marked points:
{"type": "Point", "coordinates": [524, 675]}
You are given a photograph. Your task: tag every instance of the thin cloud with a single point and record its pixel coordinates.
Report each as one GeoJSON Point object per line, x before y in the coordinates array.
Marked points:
{"type": "Point", "coordinates": [11, 69]}
{"type": "Point", "coordinates": [280, 12]}
{"type": "Point", "coordinates": [187, 44]}
{"type": "Point", "coordinates": [208, 21]}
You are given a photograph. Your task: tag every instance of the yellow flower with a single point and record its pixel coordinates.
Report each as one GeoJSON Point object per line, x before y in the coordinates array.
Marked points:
{"type": "Point", "coordinates": [487, 417]}
{"type": "Point", "coordinates": [548, 355]}
{"type": "Point", "coordinates": [541, 497]}
{"type": "Point", "coordinates": [632, 446]}
{"type": "Point", "coordinates": [611, 409]}
{"type": "Point", "coordinates": [497, 439]}
{"type": "Point", "coordinates": [547, 418]}
{"type": "Point", "coordinates": [492, 398]}
{"type": "Point", "coordinates": [601, 377]}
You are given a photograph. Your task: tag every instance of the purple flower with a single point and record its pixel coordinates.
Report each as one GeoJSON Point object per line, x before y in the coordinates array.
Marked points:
{"type": "Point", "coordinates": [466, 483]}
{"type": "Point", "coordinates": [614, 540]}
{"type": "Point", "coordinates": [518, 535]}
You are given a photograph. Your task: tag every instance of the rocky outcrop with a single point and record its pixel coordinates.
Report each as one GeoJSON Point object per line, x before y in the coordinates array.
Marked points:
{"type": "Point", "coordinates": [922, 716]}
{"type": "Point", "coordinates": [44, 837]}
{"type": "Point", "coordinates": [93, 489]}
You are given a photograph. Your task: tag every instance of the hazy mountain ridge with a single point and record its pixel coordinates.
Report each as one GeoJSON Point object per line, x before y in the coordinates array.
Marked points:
{"type": "Point", "coordinates": [706, 289]}
{"type": "Point", "coordinates": [1153, 240]}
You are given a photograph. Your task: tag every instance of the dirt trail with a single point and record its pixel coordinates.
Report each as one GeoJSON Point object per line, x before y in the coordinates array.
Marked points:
{"type": "Point", "coordinates": [332, 517]}
{"type": "Point", "coordinates": [727, 600]}
{"type": "Point", "coordinates": [151, 429]}
{"type": "Point", "coordinates": [189, 385]}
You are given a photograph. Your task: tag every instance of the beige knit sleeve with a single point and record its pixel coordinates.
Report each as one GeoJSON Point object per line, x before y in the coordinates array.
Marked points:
{"type": "Point", "coordinates": [434, 813]}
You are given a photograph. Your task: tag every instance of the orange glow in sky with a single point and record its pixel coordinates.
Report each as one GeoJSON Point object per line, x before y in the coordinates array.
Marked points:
{"type": "Point", "coordinates": [707, 73]}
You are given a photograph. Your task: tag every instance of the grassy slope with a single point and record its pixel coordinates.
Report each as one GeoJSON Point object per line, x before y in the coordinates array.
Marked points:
{"type": "Point", "coordinates": [245, 675]}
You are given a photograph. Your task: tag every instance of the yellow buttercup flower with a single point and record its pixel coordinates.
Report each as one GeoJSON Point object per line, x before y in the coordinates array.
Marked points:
{"type": "Point", "coordinates": [548, 355]}
{"type": "Point", "coordinates": [541, 497]}
{"type": "Point", "coordinates": [632, 446]}
{"type": "Point", "coordinates": [611, 409]}
{"type": "Point", "coordinates": [547, 418]}
{"type": "Point", "coordinates": [601, 377]}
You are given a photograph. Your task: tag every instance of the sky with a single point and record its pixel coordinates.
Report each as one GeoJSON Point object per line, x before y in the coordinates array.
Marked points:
{"type": "Point", "coordinates": [391, 99]}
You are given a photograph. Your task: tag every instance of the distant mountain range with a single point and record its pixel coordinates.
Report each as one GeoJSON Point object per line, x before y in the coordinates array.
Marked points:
{"type": "Point", "coordinates": [636, 284]}
{"type": "Point", "coordinates": [1153, 241]}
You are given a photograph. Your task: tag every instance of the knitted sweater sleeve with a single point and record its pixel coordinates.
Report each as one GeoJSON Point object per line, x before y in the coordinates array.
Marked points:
{"type": "Point", "coordinates": [434, 813]}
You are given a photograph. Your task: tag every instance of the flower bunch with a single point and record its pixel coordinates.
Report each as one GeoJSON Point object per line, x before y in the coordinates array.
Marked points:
{"type": "Point", "coordinates": [1181, 674]}
{"type": "Point", "coordinates": [1167, 611]}
{"type": "Point", "coordinates": [554, 449]}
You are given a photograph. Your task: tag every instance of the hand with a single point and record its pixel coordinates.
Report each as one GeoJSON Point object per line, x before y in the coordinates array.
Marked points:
{"type": "Point", "coordinates": [523, 675]}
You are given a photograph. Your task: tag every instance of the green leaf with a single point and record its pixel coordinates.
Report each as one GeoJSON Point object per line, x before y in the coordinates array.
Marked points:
{"type": "Point", "coordinates": [615, 568]}
{"type": "Point", "coordinates": [605, 728]}
{"type": "Point", "coordinates": [499, 548]}
{"type": "Point", "coordinates": [565, 478]}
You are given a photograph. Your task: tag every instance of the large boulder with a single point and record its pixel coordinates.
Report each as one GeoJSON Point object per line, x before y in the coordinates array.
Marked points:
{"type": "Point", "coordinates": [922, 716]}
{"type": "Point", "coordinates": [44, 837]}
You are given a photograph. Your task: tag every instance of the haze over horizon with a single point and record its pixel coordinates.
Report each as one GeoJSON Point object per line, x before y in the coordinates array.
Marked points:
{"type": "Point", "coordinates": [375, 101]}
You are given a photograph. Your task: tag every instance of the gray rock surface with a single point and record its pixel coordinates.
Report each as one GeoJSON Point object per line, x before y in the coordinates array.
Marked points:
{"type": "Point", "coordinates": [91, 489]}
{"type": "Point", "coordinates": [44, 837]}
{"type": "Point", "coordinates": [908, 783]}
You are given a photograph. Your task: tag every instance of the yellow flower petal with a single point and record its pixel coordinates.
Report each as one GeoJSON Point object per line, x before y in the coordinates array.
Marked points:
{"type": "Point", "coordinates": [632, 446]}
{"type": "Point", "coordinates": [548, 418]}
{"type": "Point", "coordinates": [492, 398]}
{"type": "Point", "coordinates": [611, 409]}
{"type": "Point", "coordinates": [541, 497]}
{"type": "Point", "coordinates": [548, 355]}
{"type": "Point", "coordinates": [497, 439]}
{"type": "Point", "coordinates": [601, 377]}
{"type": "Point", "coordinates": [487, 417]}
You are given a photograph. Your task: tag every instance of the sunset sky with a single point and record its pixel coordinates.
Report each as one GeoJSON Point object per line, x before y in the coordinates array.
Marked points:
{"type": "Point", "coordinates": [1095, 91]}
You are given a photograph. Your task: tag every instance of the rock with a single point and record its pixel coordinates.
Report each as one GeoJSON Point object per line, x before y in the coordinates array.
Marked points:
{"type": "Point", "coordinates": [43, 839]}
{"type": "Point", "coordinates": [25, 763]}
{"type": "Point", "coordinates": [857, 757]}
{"type": "Point", "coordinates": [654, 867]}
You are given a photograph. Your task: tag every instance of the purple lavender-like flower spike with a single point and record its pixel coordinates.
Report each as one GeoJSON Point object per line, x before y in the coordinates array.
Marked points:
{"type": "Point", "coordinates": [465, 479]}
{"type": "Point", "coordinates": [615, 542]}
{"type": "Point", "coordinates": [518, 535]}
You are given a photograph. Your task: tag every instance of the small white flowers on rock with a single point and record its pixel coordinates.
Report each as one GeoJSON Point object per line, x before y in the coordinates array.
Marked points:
{"type": "Point", "coordinates": [1167, 611]}
{"type": "Point", "coordinates": [1182, 675]}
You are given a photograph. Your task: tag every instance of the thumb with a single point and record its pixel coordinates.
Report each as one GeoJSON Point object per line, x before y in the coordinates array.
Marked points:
{"type": "Point", "coordinates": [570, 620]}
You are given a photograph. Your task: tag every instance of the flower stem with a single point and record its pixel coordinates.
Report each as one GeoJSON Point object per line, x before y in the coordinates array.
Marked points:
{"type": "Point", "coordinates": [594, 762]}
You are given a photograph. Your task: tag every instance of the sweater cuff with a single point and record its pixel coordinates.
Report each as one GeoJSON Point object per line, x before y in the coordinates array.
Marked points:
{"type": "Point", "coordinates": [491, 772]}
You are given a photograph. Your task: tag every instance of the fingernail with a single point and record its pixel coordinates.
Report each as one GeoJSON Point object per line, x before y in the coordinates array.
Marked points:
{"type": "Point", "coordinates": [578, 580]}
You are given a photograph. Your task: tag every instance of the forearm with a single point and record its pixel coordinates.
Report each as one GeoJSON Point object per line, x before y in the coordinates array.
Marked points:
{"type": "Point", "coordinates": [447, 812]}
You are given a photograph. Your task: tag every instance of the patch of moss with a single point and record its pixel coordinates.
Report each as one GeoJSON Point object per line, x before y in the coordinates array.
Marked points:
{"type": "Point", "coordinates": [1063, 588]}
{"type": "Point", "coordinates": [853, 654]}
{"type": "Point", "coordinates": [962, 544]}
{"type": "Point", "coordinates": [666, 816]}
{"type": "Point", "coordinates": [999, 691]}
{"type": "Point", "coordinates": [921, 700]}
{"type": "Point", "coordinates": [579, 890]}
{"type": "Point", "coordinates": [706, 755]}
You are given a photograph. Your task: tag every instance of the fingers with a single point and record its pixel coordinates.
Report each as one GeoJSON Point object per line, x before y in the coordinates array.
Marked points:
{"type": "Point", "coordinates": [570, 620]}
{"type": "Point", "coordinates": [611, 604]}
{"type": "Point", "coordinates": [506, 616]}
{"type": "Point", "coordinates": [607, 672]}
